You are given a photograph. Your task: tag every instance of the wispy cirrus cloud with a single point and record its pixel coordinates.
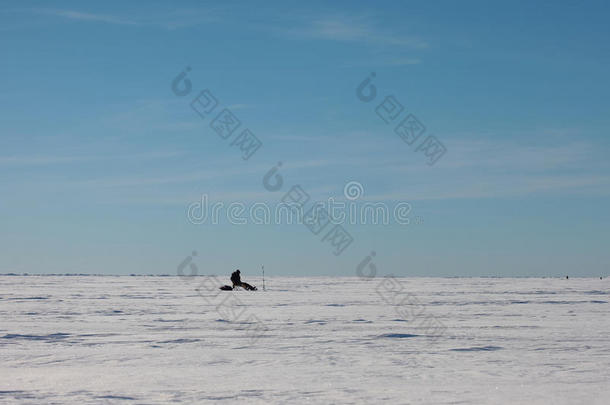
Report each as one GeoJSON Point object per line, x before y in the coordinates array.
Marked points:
{"type": "Point", "coordinates": [239, 106]}
{"type": "Point", "coordinates": [171, 19]}
{"type": "Point", "coordinates": [42, 160]}
{"type": "Point", "coordinates": [353, 29]}
{"type": "Point", "coordinates": [401, 61]}
{"type": "Point", "coordinates": [84, 16]}
{"type": "Point", "coordinates": [486, 169]}
{"type": "Point", "coordinates": [490, 186]}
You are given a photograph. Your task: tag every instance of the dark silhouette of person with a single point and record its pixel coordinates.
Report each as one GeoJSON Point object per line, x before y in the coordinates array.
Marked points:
{"type": "Point", "coordinates": [236, 280]}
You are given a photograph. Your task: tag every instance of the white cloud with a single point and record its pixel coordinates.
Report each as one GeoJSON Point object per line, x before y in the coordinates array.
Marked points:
{"type": "Point", "coordinates": [168, 20]}
{"type": "Point", "coordinates": [41, 160]}
{"type": "Point", "coordinates": [353, 30]}
{"type": "Point", "coordinates": [238, 106]}
{"type": "Point", "coordinates": [469, 187]}
{"type": "Point", "coordinates": [486, 169]}
{"type": "Point", "coordinates": [83, 16]}
{"type": "Point", "coordinates": [402, 61]}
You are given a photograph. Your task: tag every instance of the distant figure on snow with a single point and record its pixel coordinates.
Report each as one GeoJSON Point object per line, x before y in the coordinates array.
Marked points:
{"type": "Point", "coordinates": [236, 280]}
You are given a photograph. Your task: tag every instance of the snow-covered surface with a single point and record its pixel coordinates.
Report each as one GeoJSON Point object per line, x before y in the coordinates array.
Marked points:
{"type": "Point", "coordinates": [156, 340]}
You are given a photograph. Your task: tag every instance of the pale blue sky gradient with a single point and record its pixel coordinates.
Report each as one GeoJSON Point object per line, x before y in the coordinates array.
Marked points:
{"type": "Point", "coordinates": [99, 159]}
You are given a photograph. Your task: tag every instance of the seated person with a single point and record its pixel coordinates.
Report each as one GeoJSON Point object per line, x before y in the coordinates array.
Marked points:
{"type": "Point", "coordinates": [236, 280]}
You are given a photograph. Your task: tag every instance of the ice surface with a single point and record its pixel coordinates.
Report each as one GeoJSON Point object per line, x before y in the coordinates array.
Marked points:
{"type": "Point", "coordinates": [158, 340]}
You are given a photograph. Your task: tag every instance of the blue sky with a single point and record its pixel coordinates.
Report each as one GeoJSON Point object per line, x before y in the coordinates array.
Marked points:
{"type": "Point", "coordinates": [99, 159]}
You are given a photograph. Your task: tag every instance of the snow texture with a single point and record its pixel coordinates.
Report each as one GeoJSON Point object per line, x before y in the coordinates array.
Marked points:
{"type": "Point", "coordinates": [159, 340]}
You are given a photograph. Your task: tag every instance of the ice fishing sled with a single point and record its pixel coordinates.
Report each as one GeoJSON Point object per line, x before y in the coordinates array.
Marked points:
{"type": "Point", "coordinates": [244, 285]}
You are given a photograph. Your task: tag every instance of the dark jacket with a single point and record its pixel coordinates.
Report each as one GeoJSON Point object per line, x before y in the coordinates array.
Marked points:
{"type": "Point", "coordinates": [235, 278]}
